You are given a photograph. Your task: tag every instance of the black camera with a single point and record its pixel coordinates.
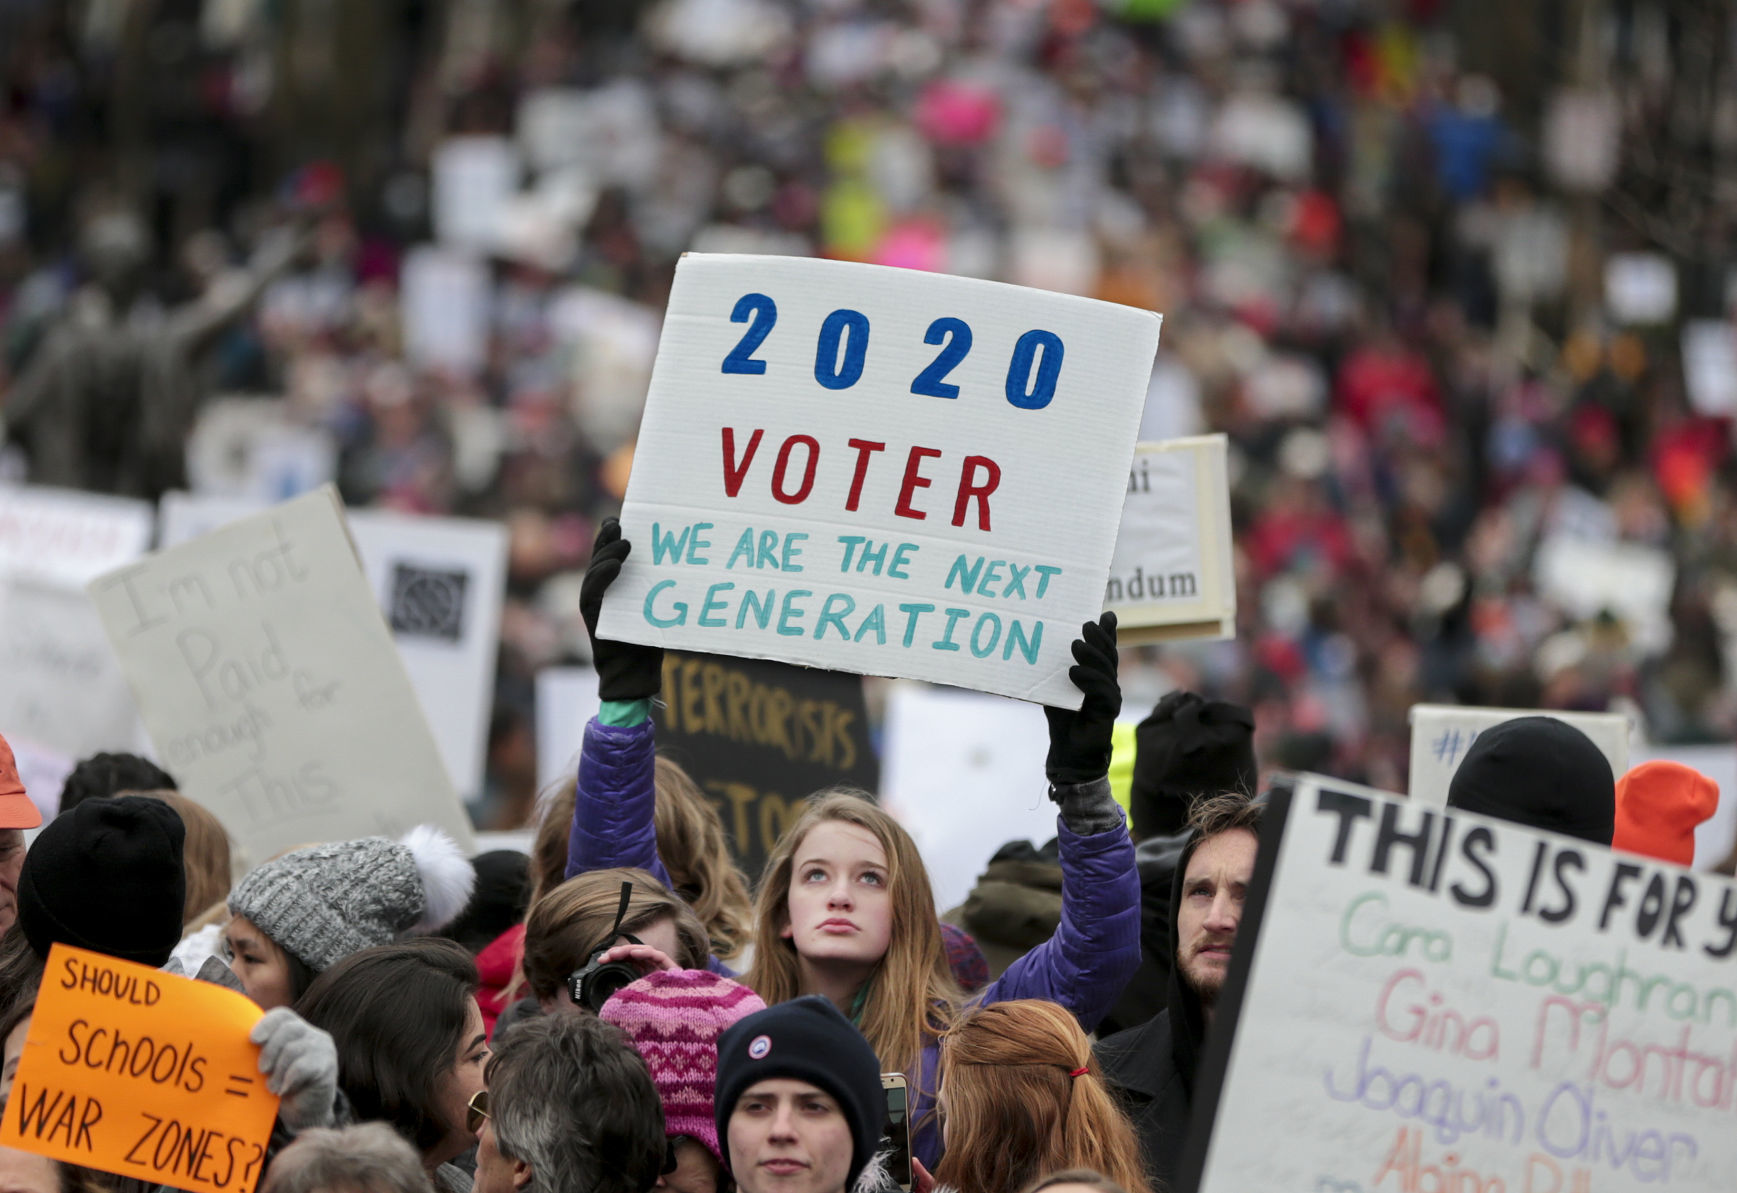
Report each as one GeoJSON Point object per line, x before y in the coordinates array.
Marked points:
{"type": "Point", "coordinates": [594, 983]}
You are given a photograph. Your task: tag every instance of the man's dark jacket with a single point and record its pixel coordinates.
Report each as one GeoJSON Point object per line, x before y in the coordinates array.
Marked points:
{"type": "Point", "coordinates": [1152, 1066]}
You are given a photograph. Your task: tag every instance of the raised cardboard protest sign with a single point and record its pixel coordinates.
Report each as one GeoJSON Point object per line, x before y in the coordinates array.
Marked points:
{"type": "Point", "coordinates": [1425, 1001]}
{"type": "Point", "coordinates": [440, 583]}
{"type": "Point", "coordinates": [63, 692]}
{"type": "Point", "coordinates": [880, 471]}
{"type": "Point", "coordinates": [759, 736]}
{"type": "Point", "coordinates": [270, 686]}
{"type": "Point", "coordinates": [1171, 576]}
{"type": "Point", "coordinates": [1442, 733]}
{"type": "Point", "coordinates": [137, 1072]}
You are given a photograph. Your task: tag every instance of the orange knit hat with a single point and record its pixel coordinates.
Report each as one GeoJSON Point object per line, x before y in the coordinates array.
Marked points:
{"type": "Point", "coordinates": [1658, 805]}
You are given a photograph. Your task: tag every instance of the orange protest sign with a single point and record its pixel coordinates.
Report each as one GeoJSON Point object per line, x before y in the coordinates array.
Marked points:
{"type": "Point", "coordinates": [137, 1072]}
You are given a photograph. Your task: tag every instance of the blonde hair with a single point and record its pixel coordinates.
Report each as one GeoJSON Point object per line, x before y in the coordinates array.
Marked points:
{"type": "Point", "coordinates": [1016, 1110]}
{"type": "Point", "coordinates": [206, 856]}
{"type": "Point", "coordinates": [911, 995]}
{"type": "Point", "coordinates": [549, 847]}
{"type": "Point", "coordinates": [692, 846]}
{"type": "Point", "coordinates": [572, 921]}
{"type": "Point", "coordinates": [690, 843]}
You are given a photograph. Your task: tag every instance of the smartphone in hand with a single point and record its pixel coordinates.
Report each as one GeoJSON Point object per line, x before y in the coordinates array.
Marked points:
{"type": "Point", "coordinates": [898, 1133]}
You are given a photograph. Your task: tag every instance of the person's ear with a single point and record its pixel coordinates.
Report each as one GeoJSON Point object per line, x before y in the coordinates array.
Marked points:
{"type": "Point", "coordinates": [521, 1174]}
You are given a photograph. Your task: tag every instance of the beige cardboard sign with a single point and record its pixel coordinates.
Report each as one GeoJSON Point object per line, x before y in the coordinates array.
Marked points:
{"type": "Point", "coordinates": [270, 685]}
{"type": "Point", "coordinates": [1172, 573]}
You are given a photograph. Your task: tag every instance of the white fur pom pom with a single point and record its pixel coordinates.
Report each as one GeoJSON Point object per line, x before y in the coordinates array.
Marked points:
{"type": "Point", "coordinates": [447, 878]}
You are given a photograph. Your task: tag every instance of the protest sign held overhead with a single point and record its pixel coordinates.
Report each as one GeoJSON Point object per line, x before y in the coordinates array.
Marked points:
{"type": "Point", "coordinates": [1171, 576]}
{"type": "Point", "coordinates": [270, 686]}
{"type": "Point", "coordinates": [137, 1072]}
{"type": "Point", "coordinates": [1426, 1000]}
{"type": "Point", "coordinates": [1442, 733]}
{"type": "Point", "coordinates": [759, 736]}
{"type": "Point", "coordinates": [880, 471]}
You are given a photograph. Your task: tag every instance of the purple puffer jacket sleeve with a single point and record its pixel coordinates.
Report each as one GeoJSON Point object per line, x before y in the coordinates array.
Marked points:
{"type": "Point", "coordinates": [613, 823]}
{"type": "Point", "coordinates": [612, 810]}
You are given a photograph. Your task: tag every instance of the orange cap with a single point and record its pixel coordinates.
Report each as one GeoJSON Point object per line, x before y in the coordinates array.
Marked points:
{"type": "Point", "coordinates": [1658, 805]}
{"type": "Point", "coordinates": [16, 810]}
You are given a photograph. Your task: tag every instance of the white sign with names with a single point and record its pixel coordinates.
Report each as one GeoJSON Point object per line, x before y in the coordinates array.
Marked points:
{"type": "Point", "coordinates": [1421, 1002]}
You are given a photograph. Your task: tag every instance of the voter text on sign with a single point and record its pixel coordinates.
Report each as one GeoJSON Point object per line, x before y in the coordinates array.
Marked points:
{"type": "Point", "coordinates": [881, 471]}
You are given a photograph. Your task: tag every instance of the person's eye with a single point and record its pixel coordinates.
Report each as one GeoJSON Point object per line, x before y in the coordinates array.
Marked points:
{"type": "Point", "coordinates": [873, 878]}
{"type": "Point", "coordinates": [814, 874]}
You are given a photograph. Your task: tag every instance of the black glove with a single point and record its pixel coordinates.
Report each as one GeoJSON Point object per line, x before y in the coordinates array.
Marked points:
{"type": "Point", "coordinates": [625, 670]}
{"type": "Point", "coordinates": [1079, 742]}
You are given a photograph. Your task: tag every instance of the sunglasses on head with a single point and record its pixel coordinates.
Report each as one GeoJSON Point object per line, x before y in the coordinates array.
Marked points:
{"type": "Point", "coordinates": [476, 1111]}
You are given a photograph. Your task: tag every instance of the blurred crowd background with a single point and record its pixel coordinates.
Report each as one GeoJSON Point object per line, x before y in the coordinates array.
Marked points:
{"type": "Point", "coordinates": [1458, 279]}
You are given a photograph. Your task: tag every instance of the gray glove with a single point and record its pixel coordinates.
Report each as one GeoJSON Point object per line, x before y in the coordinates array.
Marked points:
{"type": "Point", "coordinates": [1088, 808]}
{"type": "Point", "coordinates": [300, 1063]}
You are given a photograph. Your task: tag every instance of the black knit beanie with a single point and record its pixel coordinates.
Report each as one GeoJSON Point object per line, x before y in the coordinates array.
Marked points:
{"type": "Point", "coordinates": [1187, 748]}
{"type": "Point", "coordinates": [500, 899]}
{"type": "Point", "coordinates": [1540, 772]}
{"type": "Point", "coordinates": [806, 1039]}
{"type": "Point", "coordinates": [107, 876]}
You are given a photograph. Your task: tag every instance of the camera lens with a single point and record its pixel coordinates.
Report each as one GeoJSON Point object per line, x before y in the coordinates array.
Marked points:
{"type": "Point", "coordinates": [602, 982]}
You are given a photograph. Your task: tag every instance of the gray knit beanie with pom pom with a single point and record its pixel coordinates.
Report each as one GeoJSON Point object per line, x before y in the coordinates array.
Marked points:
{"type": "Point", "coordinates": [329, 901]}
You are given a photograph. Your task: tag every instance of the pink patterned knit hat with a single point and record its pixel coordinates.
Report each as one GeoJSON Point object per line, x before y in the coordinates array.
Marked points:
{"type": "Point", "coordinates": [674, 1018]}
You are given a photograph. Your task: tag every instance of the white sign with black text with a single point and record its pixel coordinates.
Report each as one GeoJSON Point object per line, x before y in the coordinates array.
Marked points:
{"type": "Point", "coordinates": [1426, 1001]}
{"type": "Point", "coordinates": [1172, 573]}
